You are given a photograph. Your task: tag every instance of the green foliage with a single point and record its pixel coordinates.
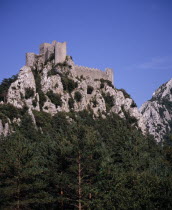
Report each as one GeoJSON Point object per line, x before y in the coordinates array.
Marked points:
{"type": "Point", "coordinates": [89, 89]}
{"type": "Point", "coordinates": [34, 102]}
{"type": "Point", "coordinates": [74, 160]}
{"type": "Point", "coordinates": [102, 85]}
{"type": "Point", "coordinates": [29, 92]}
{"type": "Point", "coordinates": [3, 118]}
{"type": "Point", "coordinates": [68, 84]}
{"type": "Point", "coordinates": [109, 100]}
{"type": "Point", "coordinates": [52, 72]}
{"type": "Point", "coordinates": [4, 86]}
{"type": "Point", "coordinates": [161, 111]}
{"type": "Point", "coordinates": [108, 82]}
{"type": "Point", "coordinates": [43, 120]}
{"type": "Point", "coordinates": [8, 110]}
{"type": "Point", "coordinates": [78, 96]}
{"type": "Point", "coordinates": [63, 65]}
{"type": "Point", "coordinates": [21, 165]}
{"type": "Point", "coordinates": [94, 101]}
{"type": "Point", "coordinates": [130, 120]}
{"type": "Point", "coordinates": [71, 103]}
{"type": "Point", "coordinates": [126, 95]}
{"type": "Point", "coordinates": [42, 98]}
{"type": "Point", "coordinates": [37, 78]}
{"type": "Point", "coordinates": [167, 104]}
{"type": "Point", "coordinates": [55, 98]}
{"type": "Point", "coordinates": [133, 104]}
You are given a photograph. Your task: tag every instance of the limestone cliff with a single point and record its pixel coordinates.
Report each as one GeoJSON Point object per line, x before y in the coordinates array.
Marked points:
{"type": "Point", "coordinates": [56, 88]}
{"type": "Point", "coordinates": [45, 85]}
{"type": "Point", "coordinates": [158, 111]}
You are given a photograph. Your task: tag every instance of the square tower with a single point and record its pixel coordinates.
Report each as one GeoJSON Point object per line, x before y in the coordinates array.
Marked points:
{"type": "Point", "coordinates": [60, 52]}
{"type": "Point", "coordinates": [46, 50]}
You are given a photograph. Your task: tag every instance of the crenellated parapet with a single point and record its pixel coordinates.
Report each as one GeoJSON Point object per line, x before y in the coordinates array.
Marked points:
{"type": "Point", "coordinates": [57, 52]}
{"type": "Point", "coordinates": [94, 73]}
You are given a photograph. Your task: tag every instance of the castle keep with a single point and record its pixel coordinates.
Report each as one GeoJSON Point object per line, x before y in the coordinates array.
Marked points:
{"type": "Point", "coordinates": [57, 52]}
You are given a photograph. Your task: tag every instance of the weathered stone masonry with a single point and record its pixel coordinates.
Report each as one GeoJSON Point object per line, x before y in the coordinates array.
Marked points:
{"type": "Point", "coordinates": [58, 52]}
{"type": "Point", "coordinates": [94, 73]}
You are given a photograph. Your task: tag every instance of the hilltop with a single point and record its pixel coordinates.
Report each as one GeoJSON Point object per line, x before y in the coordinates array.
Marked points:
{"type": "Point", "coordinates": [158, 112]}
{"type": "Point", "coordinates": [52, 83]}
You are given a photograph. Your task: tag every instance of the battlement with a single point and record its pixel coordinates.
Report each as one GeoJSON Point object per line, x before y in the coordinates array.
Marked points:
{"type": "Point", "coordinates": [58, 52]}
{"type": "Point", "coordinates": [94, 73]}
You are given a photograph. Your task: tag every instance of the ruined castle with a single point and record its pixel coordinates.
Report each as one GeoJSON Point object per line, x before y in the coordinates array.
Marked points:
{"type": "Point", "coordinates": [58, 53]}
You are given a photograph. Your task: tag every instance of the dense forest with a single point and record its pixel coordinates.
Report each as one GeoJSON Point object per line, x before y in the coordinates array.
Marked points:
{"type": "Point", "coordinates": [73, 161]}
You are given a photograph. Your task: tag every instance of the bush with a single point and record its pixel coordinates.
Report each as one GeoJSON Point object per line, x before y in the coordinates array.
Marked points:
{"type": "Point", "coordinates": [42, 99]}
{"type": "Point", "coordinates": [71, 103]}
{"type": "Point", "coordinates": [29, 92]}
{"type": "Point", "coordinates": [3, 118]}
{"type": "Point", "coordinates": [167, 104]}
{"type": "Point", "coordinates": [52, 72]}
{"type": "Point", "coordinates": [34, 102]}
{"type": "Point", "coordinates": [55, 98]}
{"type": "Point", "coordinates": [133, 104]}
{"type": "Point", "coordinates": [37, 80]}
{"type": "Point", "coordinates": [130, 119]}
{"type": "Point", "coordinates": [78, 96]}
{"type": "Point", "coordinates": [94, 101]}
{"type": "Point", "coordinates": [102, 85]}
{"type": "Point", "coordinates": [10, 111]}
{"type": "Point", "coordinates": [126, 95]}
{"type": "Point", "coordinates": [108, 82]}
{"type": "Point", "coordinates": [68, 84]}
{"type": "Point", "coordinates": [42, 118]}
{"type": "Point", "coordinates": [108, 100]}
{"type": "Point", "coordinates": [64, 64]}
{"type": "Point", "coordinates": [89, 89]}
{"type": "Point", "coordinates": [4, 86]}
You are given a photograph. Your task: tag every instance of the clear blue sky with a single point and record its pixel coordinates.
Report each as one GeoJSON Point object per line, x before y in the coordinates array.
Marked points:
{"type": "Point", "coordinates": [134, 37]}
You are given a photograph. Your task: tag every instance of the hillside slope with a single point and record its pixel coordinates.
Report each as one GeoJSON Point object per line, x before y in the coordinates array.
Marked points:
{"type": "Point", "coordinates": [56, 88]}
{"type": "Point", "coordinates": [158, 112]}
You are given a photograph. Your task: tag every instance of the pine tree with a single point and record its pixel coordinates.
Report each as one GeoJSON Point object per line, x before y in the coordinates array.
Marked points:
{"type": "Point", "coordinates": [21, 174]}
{"type": "Point", "coordinates": [76, 161]}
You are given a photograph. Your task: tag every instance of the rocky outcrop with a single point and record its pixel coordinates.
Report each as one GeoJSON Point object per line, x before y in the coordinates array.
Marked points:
{"type": "Point", "coordinates": [4, 128]}
{"type": "Point", "coordinates": [158, 111]}
{"type": "Point", "coordinates": [56, 88]}
{"type": "Point", "coordinates": [23, 91]}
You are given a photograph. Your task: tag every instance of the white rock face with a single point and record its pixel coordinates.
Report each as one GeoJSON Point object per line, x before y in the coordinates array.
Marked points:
{"type": "Point", "coordinates": [4, 129]}
{"type": "Point", "coordinates": [103, 99]}
{"type": "Point", "coordinates": [17, 91]}
{"type": "Point", "coordinates": [158, 111]}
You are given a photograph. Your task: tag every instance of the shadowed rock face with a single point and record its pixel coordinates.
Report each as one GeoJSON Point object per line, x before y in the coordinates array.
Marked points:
{"type": "Point", "coordinates": [158, 111]}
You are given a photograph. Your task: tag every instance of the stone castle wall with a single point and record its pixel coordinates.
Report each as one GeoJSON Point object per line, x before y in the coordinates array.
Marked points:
{"type": "Point", "coordinates": [59, 52]}
{"type": "Point", "coordinates": [93, 73]}
{"type": "Point", "coordinates": [46, 50]}
{"type": "Point", "coordinates": [30, 59]}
